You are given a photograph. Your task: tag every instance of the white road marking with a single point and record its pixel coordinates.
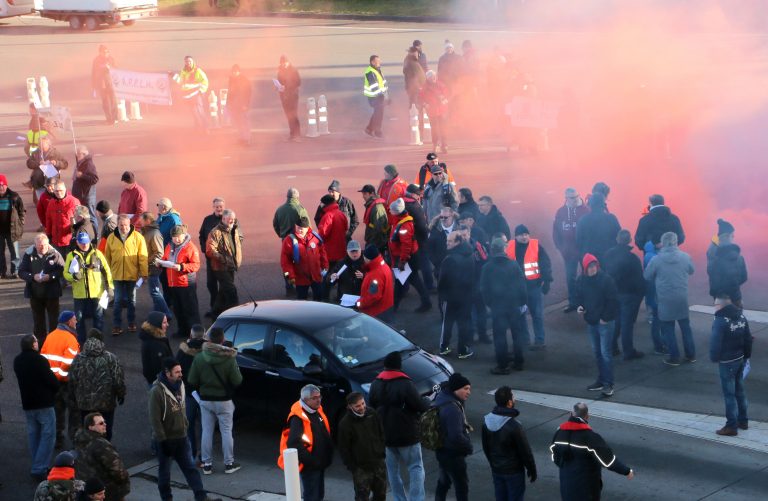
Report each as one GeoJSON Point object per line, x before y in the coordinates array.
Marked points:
{"type": "Point", "coordinates": [290, 177]}
{"type": "Point", "coordinates": [689, 424]}
{"type": "Point", "coordinates": [515, 201]}
{"type": "Point", "coordinates": [11, 144]}
{"type": "Point", "coordinates": [752, 315]}
{"type": "Point", "coordinates": [324, 168]}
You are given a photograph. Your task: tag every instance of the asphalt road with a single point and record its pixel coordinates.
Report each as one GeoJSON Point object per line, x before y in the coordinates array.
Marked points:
{"type": "Point", "coordinates": [190, 169]}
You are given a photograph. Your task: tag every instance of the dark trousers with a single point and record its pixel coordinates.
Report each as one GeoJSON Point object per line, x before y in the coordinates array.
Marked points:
{"type": "Point", "coordinates": [509, 487]}
{"type": "Point", "coordinates": [460, 313]}
{"type": "Point", "coordinates": [108, 103]}
{"type": "Point", "coordinates": [66, 412]}
{"type": "Point", "coordinates": [13, 250]}
{"type": "Point", "coordinates": [413, 279]}
{"type": "Point", "coordinates": [290, 104]}
{"type": "Point", "coordinates": [210, 283]}
{"type": "Point", "coordinates": [438, 126]}
{"type": "Point", "coordinates": [453, 471]}
{"type": "Point", "coordinates": [629, 305]}
{"type": "Point", "coordinates": [109, 418]}
{"type": "Point", "coordinates": [302, 291]}
{"type": "Point", "coordinates": [313, 485]}
{"type": "Point", "coordinates": [512, 320]}
{"type": "Point", "coordinates": [183, 457]}
{"type": "Point", "coordinates": [426, 267]}
{"type": "Point", "coordinates": [197, 106]}
{"type": "Point", "coordinates": [42, 308]}
{"type": "Point", "coordinates": [227, 296]}
{"type": "Point", "coordinates": [193, 425]}
{"type": "Point", "coordinates": [571, 270]}
{"type": "Point", "coordinates": [377, 117]}
{"type": "Point", "coordinates": [480, 316]}
{"type": "Point", "coordinates": [184, 301]}
{"type": "Point", "coordinates": [88, 308]}
{"type": "Point", "coordinates": [370, 481]}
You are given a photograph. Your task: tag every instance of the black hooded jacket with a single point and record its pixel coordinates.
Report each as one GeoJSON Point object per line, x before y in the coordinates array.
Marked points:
{"type": "Point", "coordinates": [596, 231]}
{"type": "Point", "coordinates": [626, 270]}
{"type": "Point", "coordinates": [653, 225]}
{"type": "Point", "coordinates": [396, 399]}
{"type": "Point", "coordinates": [457, 274]}
{"type": "Point", "coordinates": [505, 444]}
{"type": "Point", "coordinates": [598, 296]}
{"type": "Point", "coordinates": [493, 223]}
{"type": "Point", "coordinates": [727, 272]}
{"type": "Point", "coordinates": [503, 284]}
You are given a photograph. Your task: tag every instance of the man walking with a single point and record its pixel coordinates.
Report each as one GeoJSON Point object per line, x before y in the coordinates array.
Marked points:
{"type": "Point", "coordinates": [38, 387]}
{"type": "Point", "coordinates": [308, 430]}
{"type": "Point", "coordinates": [504, 290]}
{"type": "Point", "coordinates": [670, 271]}
{"type": "Point", "coordinates": [84, 185]}
{"type": "Point", "coordinates": [133, 198]}
{"type": "Point", "coordinates": [433, 99]}
{"type": "Point", "coordinates": [101, 81]}
{"type": "Point", "coordinates": [215, 375]}
{"type": "Point", "coordinates": [730, 346]}
{"type": "Point", "coordinates": [564, 236]}
{"type": "Point", "coordinates": [41, 268]}
{"type": "Point", "coordinates": [402, 247]}
{"type": "Point", "coordinates": [580, 453]}
{"type": "Point", "coordinates": [167, 415]}
{"type": "Point", "coordinates": [361, 445]}
{"type": "Point", "coordinates": [506, 448]}
{"type": "Point", "coordinates": [454, 431]}
{"type": "Point", "coordinates": [396, 399]}
{"type": "Point", "coordinates": [224, 247]}
{"type": "Point", "coordinates": [59, 218]}
{"type": "Point", "coordinates": [155, 249]}
{"type": "Point", "coordinates": [596, 231]}
{"type": "Point", "coordinates": [194, 88]}
{"type": "Point", "coordinates": [209, 223]}
{"type": "Point", "coordinates": [597, 300]}
{"type": "Point", "coordinates": [726, 268]}
{"type": "Point", "coordinates": [414, 78]}
{"type": "Point", "coordinates": [290, 81]}
{"type": "Point", "coordinates": [12, 214]}
{"type": "Point", "coordinates": [239, 103]}
{"type": "Point", "coordinates": [455, 289]}
{"type": "Point", "coordinates": [126, 255]}
{"type": "Point", "coordinates": [98, 458]}
{"type": "Point", "coordinates": [375, 89]}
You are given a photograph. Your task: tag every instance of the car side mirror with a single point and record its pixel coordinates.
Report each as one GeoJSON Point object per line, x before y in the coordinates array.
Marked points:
{"type": "Point", "coordinates": [404, 333]}
{"type": "Point", "coordinates": [312, 370]}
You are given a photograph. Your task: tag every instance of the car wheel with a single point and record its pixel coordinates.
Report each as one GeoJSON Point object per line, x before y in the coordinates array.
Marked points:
{"type": "Point", "coordinates": [91, 23]}
{"type": "Point", "coordinates": [75, 23]}
{"type": "Point", "coordinates": [129, 22]}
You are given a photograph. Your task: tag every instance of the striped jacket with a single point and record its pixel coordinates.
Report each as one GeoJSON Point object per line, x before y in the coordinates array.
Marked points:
{"type": "Point", "coordinates": [60, 349]}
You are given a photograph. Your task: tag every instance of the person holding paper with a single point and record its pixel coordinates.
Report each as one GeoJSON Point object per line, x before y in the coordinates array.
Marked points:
{"type": "Point", "coordinates": [155, 248]}
{"type": "Point", "coordinates": [402, 246]}
{"type": "Point", "coordinates": [126, 254]}
{"type": "Point", "coordinates": [377, 292]}
{"type": "Point", "coordinates": [41, 268]}
{"type": "Point", "coordinates": [731, 348]}
{"type": "Point", "coordinates": [347, 274]}
{"type": "Point", "coordinates": [184, 261]}
{"type": "Point", "coordinates": [304, 261]}
{"type": "Point", "coordinates": [44, 158]}
{"type": "Point", "coordinates": [87, 270]}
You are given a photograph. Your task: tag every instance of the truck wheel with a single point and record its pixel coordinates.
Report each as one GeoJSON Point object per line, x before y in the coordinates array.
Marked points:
{"type": "Point", "coordinates": [129, 22]}
{"type": "Point", "coordinates": [75, 23]}
{"type": "Point", "coordinates": [91, 23]}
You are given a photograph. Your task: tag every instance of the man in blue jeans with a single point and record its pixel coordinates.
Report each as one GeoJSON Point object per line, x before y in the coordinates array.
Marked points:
{"type": "Point", "coordinates": [597, 301]}
{"type": "Point", "coordinates": [731, 347]}
{"type": "Point", "coordinates": [155, 249]}
{"type": "Point", "coordinates": [38, 387]}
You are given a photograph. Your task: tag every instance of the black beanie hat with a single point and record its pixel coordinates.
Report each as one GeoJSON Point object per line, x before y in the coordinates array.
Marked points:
{"type": "Point", "coordinates": [93, 486]}
{"type": "Point", "coordinates": [371, 252]}
{"type": "Point", "coordinates": [457, 381]}
{"type": "Point", "coordinates": [724, 227]}
{"type": "Point", "coordinates": [103, 206]}
{"type": "Point", "coordinates": [393, 361]}
{"type": "Point", "coordinates": [64, 459]}
{"type": "Point", "coordinates": [155, 319]}
{"type": "Point", "coordinates": [520, 229]}
{"type": "Point", "coordinates": [327, 200]}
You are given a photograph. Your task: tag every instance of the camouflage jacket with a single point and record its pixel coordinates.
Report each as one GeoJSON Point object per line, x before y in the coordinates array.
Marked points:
{"type": "Point", "coordinates": [59, 490]}
{"type": "Point", "coordinates": [96, 457]}
{"type": "Point", "coordinates": [96, 378]}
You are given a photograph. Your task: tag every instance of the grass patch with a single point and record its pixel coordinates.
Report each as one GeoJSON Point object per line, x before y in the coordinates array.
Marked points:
{"type": "Point", "coordinates": [404, 8]}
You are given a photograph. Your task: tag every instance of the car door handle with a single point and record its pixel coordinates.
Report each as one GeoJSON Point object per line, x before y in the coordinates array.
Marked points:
{"type": "Point", "coordinates": [270, 373]}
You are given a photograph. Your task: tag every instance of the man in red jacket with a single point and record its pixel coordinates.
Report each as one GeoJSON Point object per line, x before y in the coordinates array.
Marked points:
{"type": "Point", "coordinates": [333, 229]}
{"type": "Point", "coordinates": [377, 292]}
{"type": "Point", "coordinates": [304, 260]}
{"type": "Point", "coordinates": [391, 188]}
{"type": "Point", "coordinates": [402, 247]}
{"type": "Point", "coordinates": [58, 218]}
{"type": "Point", "coordinates": [182, 262]}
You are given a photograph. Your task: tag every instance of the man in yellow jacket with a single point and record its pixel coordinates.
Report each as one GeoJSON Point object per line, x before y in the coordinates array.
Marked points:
{"type": "Point", "coordinates": [126, 254]}
{"type": "Point", "coordinates": [194, 88]}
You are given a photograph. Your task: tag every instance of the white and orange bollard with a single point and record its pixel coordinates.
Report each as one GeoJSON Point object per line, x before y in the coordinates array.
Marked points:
{"type": "Point", "coordinates": [32, 95]}
{"type": "Point", "coordinates": [213, 106]}
{"type": "Point", "coordinates": [427, 136]}
{"type": "Point", "coordinates": [122, 114]}
{"type": "Point", "coordinates": [45, 95]}
{"type": "Point", "coordinates": [312, 118]}
{"type": "Point", "coordinates": [322, 115]}
{"type": "Point", "coordinates": [414, 121]}
{"type": "Point", "coordinates": [135, 111]}
{"type": "Point", "coordinates": [223, 112]}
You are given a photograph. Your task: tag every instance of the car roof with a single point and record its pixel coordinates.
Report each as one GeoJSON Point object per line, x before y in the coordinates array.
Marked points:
{"type": "Point", "coordinates": [301, 315]}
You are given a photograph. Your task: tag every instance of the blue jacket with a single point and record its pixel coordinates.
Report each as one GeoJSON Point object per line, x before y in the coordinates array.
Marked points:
{"type": "Point", "coordinates": [166, 222]}
{"type": "Point", "coordinates": [731, 339]}
{"type": "Point", "coordinates": [453, 423]}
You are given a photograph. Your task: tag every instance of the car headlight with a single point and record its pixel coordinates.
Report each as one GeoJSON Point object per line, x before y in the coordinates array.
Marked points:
{"type": "Point", "coordinates": [366, 387]}
{"type": "Point", "coordinates": [444, 363]}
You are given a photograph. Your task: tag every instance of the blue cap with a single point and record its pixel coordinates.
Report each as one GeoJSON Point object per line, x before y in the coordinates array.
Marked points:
{"type": "Point", "coordinates": [66, 316]}
{"type": "Point", "coordinates": [83, 238]}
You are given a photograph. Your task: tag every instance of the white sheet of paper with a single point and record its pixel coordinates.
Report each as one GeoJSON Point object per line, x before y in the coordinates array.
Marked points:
{"type": "Point", "coordinates": [49, 170]}
{"type": "Point", "coordinates": [74, 266]}
{"type": "Point", "coordinates": [402, 276]}
{"type": "Point", "coordinates": [139, 282]}
{"type": "Point", "coordinates": [745, 371]}
{"type": "Point", "coordinates": [278, 85]}
{"type": "Point", "coordinates": [338, 273]}
{"type": "Point", "coordinates": [166, 264]}
{"type": "Point", "coordinates": [104, 300]}
{"type": "Point", "coordinates": [349, 300]}
{"type": "Point", "coordinates": [196, 396]}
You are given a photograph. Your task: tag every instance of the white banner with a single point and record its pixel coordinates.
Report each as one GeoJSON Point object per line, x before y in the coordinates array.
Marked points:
{"type": "Point", "coordinates": [150, 88]}
{"type": "Point", "coordinates": [58, 117]}
{"type": "Point", "coordinates": [534, 113]}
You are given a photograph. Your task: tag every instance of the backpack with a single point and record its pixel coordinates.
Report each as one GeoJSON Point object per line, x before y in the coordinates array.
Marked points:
{"type": "Point", "coordinates": [429, 428]}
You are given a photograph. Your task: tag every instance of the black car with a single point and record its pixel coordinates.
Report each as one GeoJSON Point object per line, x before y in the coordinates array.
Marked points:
{"type": "Point", "coordinates": [284, 345]}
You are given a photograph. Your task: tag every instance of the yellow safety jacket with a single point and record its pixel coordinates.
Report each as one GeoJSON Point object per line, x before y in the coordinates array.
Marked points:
{"type": "Point", "coordinates": [193, 82]}
{"type": "Point", "coordinates": [373, 87]}
{"type": "Point", "coordinates": [33, 138]}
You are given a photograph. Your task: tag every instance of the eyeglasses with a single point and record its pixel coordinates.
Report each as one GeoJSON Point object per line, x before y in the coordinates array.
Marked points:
{"type": "Point", "coordinates": [445, 217]}
{"type": "Point", "coordinates": [99, 423]}
{"type": "Point", "coordinates": [160, 206]}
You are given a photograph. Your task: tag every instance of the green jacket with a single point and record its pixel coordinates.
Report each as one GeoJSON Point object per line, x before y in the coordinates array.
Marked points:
{"type": "Point", "coordinates": [96, 457]}
{"type": "Point", "coordinates": [96, 378]}
{"type": "Point", "coordinates": [88, 282]}
{"type": "Point", "coordinates": [361, 440]}
{"type": "Point", "coordinates": [287, 215]}
{"type": "Point", "coordinates": [167, 412]}
{"type": "Point", "coordinates": [215, 359]}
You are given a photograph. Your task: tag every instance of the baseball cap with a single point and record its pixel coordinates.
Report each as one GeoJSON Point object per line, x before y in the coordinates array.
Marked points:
{"type": "Point", "coordinates": [368, 188]}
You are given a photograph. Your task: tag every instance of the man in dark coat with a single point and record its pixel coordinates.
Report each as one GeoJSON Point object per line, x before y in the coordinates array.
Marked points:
{"type": "Point", "coordinates": [627, 272]}
{"type": "Point", "coordinates": [596, 231]}
{"type": "Point", "coordinates": [414, 76]}
{"type": "Point", "coordinates": [42, 268]}
{"type": "Point", "coordinates": [506, 448]}
{"type": "Point", "coordinates": [564, 236]}
{"type": "Point", "coordinates": [84, 185]}
{"type": "Point", "coordinates": [345, 206]}
{"type": "Point", "coordinates": [439, 229]}
{"type": "Point", "coordinates": [209, 223]}
{"type": "Point", "coordinates": [414, 209]}
{"type": "Point", "coordinates": [361, 445]}
{"type": "Point", "coordinates": [580, 453]}
{"type": "Point", "coordinates": [658, 221]}
{"type": "Point", "coordinates": [351, 278]}
{"type": "Point", "coordinates": [490, 218]}
{"type": "Point", "coordinates": [454, 431]}
{"type": "Point", "coordinates": [597, 300]}
{"type": "Point", "coordinates": [12, 213]}
{"type": "Point", "coordinates": [455, 289]}
{"type": "Point", "coordinates": [290, 81]}
{"type": "Point", "coordinates": [154, 345]}
{"type": "Point", "coordinates": [97, 457]}
{"type": "Point", "coordinates": [450, 67]}
{"type": "Point", "coordinates": [188, 350]}
{"type": "Point", "coordinates": [726, 267]}
{"type": "Point", "coordinates": [101, 81]}
{"type": "Point", "coordinates": [239, 103]}
{"type": "Point", "coordinates": [504, 290]}
{"type": "Point", "coordinates": [376, 219]}
{"type": "Point", "coordinates": [396, 399]}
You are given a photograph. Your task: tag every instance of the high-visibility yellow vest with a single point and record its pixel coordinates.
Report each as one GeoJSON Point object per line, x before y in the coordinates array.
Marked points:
{"type": "Point", "coordinates": [34, 136]}
{"type": "Point", "coordinates": [190, 80]}
{"type": "Point", "coordinates": [376, 89]}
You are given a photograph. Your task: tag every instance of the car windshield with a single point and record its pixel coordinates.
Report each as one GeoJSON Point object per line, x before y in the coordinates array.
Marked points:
{"type": "Point", "coordinates": [361, 340]}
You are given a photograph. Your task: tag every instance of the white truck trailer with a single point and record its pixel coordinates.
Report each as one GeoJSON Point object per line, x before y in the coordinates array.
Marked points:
{"type": "Point", "coordinates": [91, 14]}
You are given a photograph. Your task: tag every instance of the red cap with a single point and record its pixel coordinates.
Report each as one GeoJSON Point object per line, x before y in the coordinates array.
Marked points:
{"type": "Point", "coordinates": [3, 180]}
